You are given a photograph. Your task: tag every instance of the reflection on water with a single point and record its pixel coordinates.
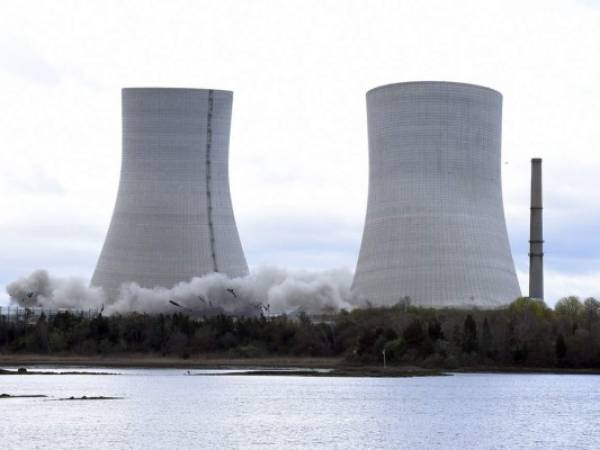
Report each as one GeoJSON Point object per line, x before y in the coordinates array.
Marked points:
{"type": "Point", "coordinates": [169, 409]}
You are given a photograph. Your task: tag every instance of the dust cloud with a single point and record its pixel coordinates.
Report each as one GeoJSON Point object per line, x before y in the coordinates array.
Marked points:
{"type": "Point", "coordinates": [267, 290]}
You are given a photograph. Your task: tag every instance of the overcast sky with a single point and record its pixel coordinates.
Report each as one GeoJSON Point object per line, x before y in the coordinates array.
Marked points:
{"type": "Point", "coordinates": [298, 158]}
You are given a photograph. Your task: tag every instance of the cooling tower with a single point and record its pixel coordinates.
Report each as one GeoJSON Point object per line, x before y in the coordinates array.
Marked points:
{"type": "Point", "coordinates": [435, 228]}
{"type": "Point", "coordinates": [173, 217]}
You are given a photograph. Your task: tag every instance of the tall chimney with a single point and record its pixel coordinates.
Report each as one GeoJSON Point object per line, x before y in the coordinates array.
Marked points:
{"type": "Point", "coordinates": [536, 235]}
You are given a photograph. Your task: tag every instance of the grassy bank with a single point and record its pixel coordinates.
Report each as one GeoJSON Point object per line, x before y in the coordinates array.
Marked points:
{"type": "Point", "coordinates": [165, 362]}
{"type": "Point", "coordinates": [272, 366]}
{"type": "Point", "coordinates": [268, 366]}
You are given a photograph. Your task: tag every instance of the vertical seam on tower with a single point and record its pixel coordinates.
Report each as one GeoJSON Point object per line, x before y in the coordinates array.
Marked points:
{"type": "Point", "coordinates": [211, 232]}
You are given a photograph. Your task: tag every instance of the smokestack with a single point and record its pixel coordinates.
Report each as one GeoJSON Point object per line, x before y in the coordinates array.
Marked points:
{"type": "Point", "coordinates": [536, 235]}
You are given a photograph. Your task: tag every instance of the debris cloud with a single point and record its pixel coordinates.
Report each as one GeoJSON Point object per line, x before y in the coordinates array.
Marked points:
{"type": "Point", "coordinates": [267, 290]}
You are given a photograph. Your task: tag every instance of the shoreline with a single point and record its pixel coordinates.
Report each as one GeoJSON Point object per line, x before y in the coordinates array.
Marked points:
{"type": "Point", "coordinates": [275, 366]}
{"type": "Point", "coordinates": [263, 366]}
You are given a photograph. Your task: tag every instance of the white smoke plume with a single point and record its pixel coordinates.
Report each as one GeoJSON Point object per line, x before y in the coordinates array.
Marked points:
{"type": "Point", "coordinates": [268, 290]}
{"type": "Point", "coordinates": [40, 289]}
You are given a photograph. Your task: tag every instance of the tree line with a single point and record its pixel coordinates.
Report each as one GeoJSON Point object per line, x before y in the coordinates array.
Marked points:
{"type": "Point", "coordinates": [525, 334]}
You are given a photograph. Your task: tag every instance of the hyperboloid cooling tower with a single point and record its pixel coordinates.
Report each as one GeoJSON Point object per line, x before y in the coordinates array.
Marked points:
{"type": "Point", "coordinates": [435, 228]}
{"type": "Point", "coordinates": [173, 217]}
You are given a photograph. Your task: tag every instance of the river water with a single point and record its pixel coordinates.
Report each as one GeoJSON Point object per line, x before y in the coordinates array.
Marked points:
{"type": "Point", "coordinates": [164, 409]}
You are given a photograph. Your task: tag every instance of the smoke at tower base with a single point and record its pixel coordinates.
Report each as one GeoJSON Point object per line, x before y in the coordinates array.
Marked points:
{"type": "Point", "coordinates": [268, 290]}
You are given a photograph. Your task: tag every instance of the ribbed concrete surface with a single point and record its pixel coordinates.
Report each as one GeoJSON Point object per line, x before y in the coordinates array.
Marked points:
{"type": "Point", "coordinates": [173, 217]}
{"type": "Point", "coordinates": [435, 228]}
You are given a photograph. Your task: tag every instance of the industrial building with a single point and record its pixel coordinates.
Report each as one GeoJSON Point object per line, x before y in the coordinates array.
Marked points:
{"type": "Point", "coordinates": [173, 217]}
{"type": "Point", "coordinates": [435, 230]}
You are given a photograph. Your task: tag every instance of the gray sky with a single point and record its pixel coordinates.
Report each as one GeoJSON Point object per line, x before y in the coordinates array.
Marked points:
{"type": "Point", "coordinates": [298, 162]}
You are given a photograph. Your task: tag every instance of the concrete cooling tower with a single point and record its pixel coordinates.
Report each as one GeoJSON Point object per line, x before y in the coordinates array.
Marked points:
{"type": "Point", "coordinates": [173, 217]}
{"type": "Point", "coordinates": [435, 228]}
